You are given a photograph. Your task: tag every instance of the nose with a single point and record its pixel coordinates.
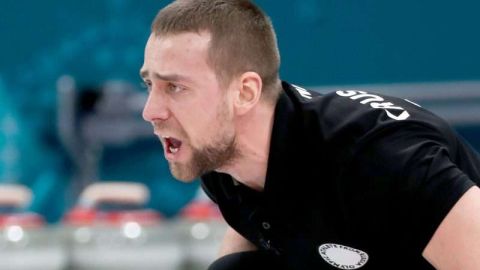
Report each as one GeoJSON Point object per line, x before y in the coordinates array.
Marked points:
{"type": "Point", "coordinates": [155, 108]}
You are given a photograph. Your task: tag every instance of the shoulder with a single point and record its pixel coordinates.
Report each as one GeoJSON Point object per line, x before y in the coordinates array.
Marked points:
{"type": "Point", "coordinates": [342, 116]}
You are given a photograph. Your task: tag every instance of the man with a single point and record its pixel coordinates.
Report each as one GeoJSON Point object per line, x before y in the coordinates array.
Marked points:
{"type": "Point", "coordinates": [344, 180]}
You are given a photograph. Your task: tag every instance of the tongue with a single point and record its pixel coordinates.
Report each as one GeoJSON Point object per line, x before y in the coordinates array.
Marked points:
{"type": "Point", "coordinates": [175, 143]}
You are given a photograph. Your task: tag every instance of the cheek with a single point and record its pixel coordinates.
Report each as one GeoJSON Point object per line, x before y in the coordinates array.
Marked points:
{"type": "Point", "coordinates": [200, 124]}
{"type": "Point", "coordinates": [203, 119]}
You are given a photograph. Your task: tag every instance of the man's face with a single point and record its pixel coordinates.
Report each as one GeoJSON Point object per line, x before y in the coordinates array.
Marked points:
{"type": "Point", "coordinates": [191, 114]}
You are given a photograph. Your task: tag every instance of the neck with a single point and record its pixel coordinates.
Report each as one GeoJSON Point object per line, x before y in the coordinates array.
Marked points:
{"type": "Point", "coordinates": [254, 131]}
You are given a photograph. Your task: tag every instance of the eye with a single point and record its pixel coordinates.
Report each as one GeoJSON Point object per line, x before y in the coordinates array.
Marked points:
{"type": "Point", "coordinates": [146, 85]}
{"type": "Point", "coordinates": [174, 88]}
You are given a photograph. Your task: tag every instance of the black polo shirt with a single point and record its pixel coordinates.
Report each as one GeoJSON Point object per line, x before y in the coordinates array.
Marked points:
{"type": "Point", "coordinates": [354, 180]}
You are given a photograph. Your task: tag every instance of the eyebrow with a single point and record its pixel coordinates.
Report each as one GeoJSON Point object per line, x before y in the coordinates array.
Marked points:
{"type": "Point", "coordinates": [164, 77]}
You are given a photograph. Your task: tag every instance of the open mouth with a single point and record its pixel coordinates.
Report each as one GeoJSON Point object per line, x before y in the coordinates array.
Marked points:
{"type": "Point", "coordinates": [172, 145]}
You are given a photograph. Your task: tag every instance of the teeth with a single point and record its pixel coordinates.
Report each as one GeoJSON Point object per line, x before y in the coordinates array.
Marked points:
{"type": "Point", "coordinates": [173, 150]}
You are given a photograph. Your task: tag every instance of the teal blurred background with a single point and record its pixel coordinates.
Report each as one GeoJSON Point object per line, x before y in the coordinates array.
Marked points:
{"type": "Point", "coordinates": [324, 43]}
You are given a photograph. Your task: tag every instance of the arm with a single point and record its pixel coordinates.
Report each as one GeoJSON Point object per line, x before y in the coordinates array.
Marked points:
{"type": "Point", "coordinates": [456, 242]}
{"type": "Point", "coordinates": [233, 242]}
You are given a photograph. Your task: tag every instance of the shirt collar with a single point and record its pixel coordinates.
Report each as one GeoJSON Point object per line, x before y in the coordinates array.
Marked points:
{"type": "Point", "coordinates": [282, 144]}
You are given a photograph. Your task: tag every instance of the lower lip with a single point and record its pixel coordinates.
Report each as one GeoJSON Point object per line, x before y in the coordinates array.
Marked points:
{"type": "Point", "coordinates": [172, 156]}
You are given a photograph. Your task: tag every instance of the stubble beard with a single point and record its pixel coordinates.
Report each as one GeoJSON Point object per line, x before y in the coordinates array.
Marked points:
{"type": "Point", "coordinates": [216, 154]}
{"type": "Point", "coordinates": [206, 159]}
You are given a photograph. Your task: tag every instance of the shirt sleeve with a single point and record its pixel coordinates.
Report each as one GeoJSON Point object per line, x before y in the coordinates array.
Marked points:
{"type": "Point", "coordinates": [415, 165]}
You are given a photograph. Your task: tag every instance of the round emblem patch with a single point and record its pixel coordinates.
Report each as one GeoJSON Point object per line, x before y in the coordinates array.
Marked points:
{"type": "Point", "coordinates": [343, 257]}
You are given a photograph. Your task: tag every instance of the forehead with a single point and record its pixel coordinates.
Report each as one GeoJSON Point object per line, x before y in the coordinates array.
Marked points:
{"type": "Point", "coordinates": [176, 51]}
{"type": "Point", "coordinates": [188, 40]}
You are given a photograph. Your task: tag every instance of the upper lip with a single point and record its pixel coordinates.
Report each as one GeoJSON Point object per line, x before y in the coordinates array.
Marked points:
{"type": "Point", "coordinates": [163, 136]}
{"type": "Point", "coordinates": [159, 133]}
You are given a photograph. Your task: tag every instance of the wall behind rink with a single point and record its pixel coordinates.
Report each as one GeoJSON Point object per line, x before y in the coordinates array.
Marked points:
{"type": "Point", "coordinates": [323, 43]}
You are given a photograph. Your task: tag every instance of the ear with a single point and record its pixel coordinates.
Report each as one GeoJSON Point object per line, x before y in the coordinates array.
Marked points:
{"type": "Point", "coordinates": [249, 92]}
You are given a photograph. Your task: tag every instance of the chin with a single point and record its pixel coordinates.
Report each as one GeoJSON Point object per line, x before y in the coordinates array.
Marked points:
{"type": "Point", "coordinates": [183, 174]}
